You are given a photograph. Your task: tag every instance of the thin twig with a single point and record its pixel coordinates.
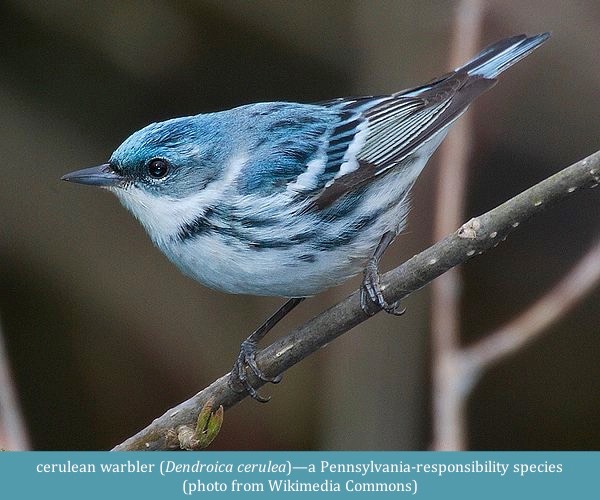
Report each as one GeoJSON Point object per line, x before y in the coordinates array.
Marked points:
{"type": "Point", "coordinates": [448, 417]}
{"type": "Point", "coordinates": [13, 434]}
{"type": "Point", "coordinates": [473, 238]}
{"type": "Point", "coordinates": [529, 325]}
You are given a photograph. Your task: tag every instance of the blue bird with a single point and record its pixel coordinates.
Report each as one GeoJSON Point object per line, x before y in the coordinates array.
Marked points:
{"type": "Point", "coordinates": [290, 199]}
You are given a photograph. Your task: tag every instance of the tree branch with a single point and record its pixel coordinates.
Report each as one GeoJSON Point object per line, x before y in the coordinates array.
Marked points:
{"type": "Point", "coordinates": [522, 330]}
{"type": "Point", "coordinates": [13, 431]}
{"type": "Point", "coordinates": [473, 238]}
{"type": "Point", "coordinates": [448, 419]}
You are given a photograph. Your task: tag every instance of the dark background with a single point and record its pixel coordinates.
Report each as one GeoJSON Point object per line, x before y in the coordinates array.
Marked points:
{"type": "Point", "coordinates": [104, 334]}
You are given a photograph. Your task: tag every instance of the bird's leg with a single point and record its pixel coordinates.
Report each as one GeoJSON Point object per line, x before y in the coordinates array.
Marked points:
{"type": "Point", "coordinates": [247, 356]}
{"type": "Point", "coordinates": [371, 286]}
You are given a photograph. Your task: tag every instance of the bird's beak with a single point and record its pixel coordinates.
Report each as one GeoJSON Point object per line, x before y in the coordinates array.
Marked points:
{"type": "Point", "coordinates": [102, 175]}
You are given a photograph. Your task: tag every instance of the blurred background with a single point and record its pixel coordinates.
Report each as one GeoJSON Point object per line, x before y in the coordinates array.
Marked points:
{"type": "Point", "coordinates": [103, 334]}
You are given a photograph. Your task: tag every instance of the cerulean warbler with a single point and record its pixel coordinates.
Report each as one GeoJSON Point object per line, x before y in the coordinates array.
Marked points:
{"type": "Point", "coordinates": [290, 199]}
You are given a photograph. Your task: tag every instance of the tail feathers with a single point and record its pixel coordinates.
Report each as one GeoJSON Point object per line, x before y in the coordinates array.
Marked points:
{"type": "Point", "coordinates": [496, 58]}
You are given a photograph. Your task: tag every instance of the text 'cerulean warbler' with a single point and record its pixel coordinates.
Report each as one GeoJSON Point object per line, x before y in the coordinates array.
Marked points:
{"type": "Point", "coordinates": [290, 199]}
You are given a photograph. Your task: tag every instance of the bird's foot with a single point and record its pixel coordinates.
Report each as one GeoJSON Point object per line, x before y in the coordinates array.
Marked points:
{"type": "Point", "coordinates": [371, 293]}
{"type": "Point", "coordinates": [238, 378]}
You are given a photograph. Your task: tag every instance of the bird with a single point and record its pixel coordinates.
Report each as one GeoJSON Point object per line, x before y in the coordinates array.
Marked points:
{"type": "Point", "coordinates": [289, 199]}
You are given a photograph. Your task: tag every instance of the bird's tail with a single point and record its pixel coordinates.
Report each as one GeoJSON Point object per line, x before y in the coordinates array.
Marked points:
{"type": "Point", "coordinates": [496, 58]}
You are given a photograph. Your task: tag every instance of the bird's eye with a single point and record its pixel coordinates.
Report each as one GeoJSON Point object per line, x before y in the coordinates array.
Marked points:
{"type": "Point", "coordinates": [158, 168]}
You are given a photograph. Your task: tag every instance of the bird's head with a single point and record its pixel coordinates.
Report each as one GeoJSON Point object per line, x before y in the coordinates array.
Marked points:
{"type": "Point", "coordinates": [160, 169]}
{"type": "Point", "coordinates": [172, 158]}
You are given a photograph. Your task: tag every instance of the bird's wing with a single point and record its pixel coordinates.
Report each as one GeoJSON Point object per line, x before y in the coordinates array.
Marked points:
{"type": "Point", "coordinates": [324, 151]}
{"type": "Point", "coordinates": [320, 152]}
{"type": "Point", "coordinates": [396, 126]}
{"type": "Point", "coordinates": [388, 130]}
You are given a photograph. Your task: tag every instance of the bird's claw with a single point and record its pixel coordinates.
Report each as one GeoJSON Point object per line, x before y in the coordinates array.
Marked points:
{"type": "Point", "coordinates": [238, 378]}
{"type": "Point", "coordinates": [371, 293]}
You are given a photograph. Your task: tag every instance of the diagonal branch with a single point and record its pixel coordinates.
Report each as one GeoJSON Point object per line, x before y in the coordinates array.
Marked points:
{"type": "Point", "coordinates": [554, 305]}
{"type": "Point", "coordinates": [473, 238]}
